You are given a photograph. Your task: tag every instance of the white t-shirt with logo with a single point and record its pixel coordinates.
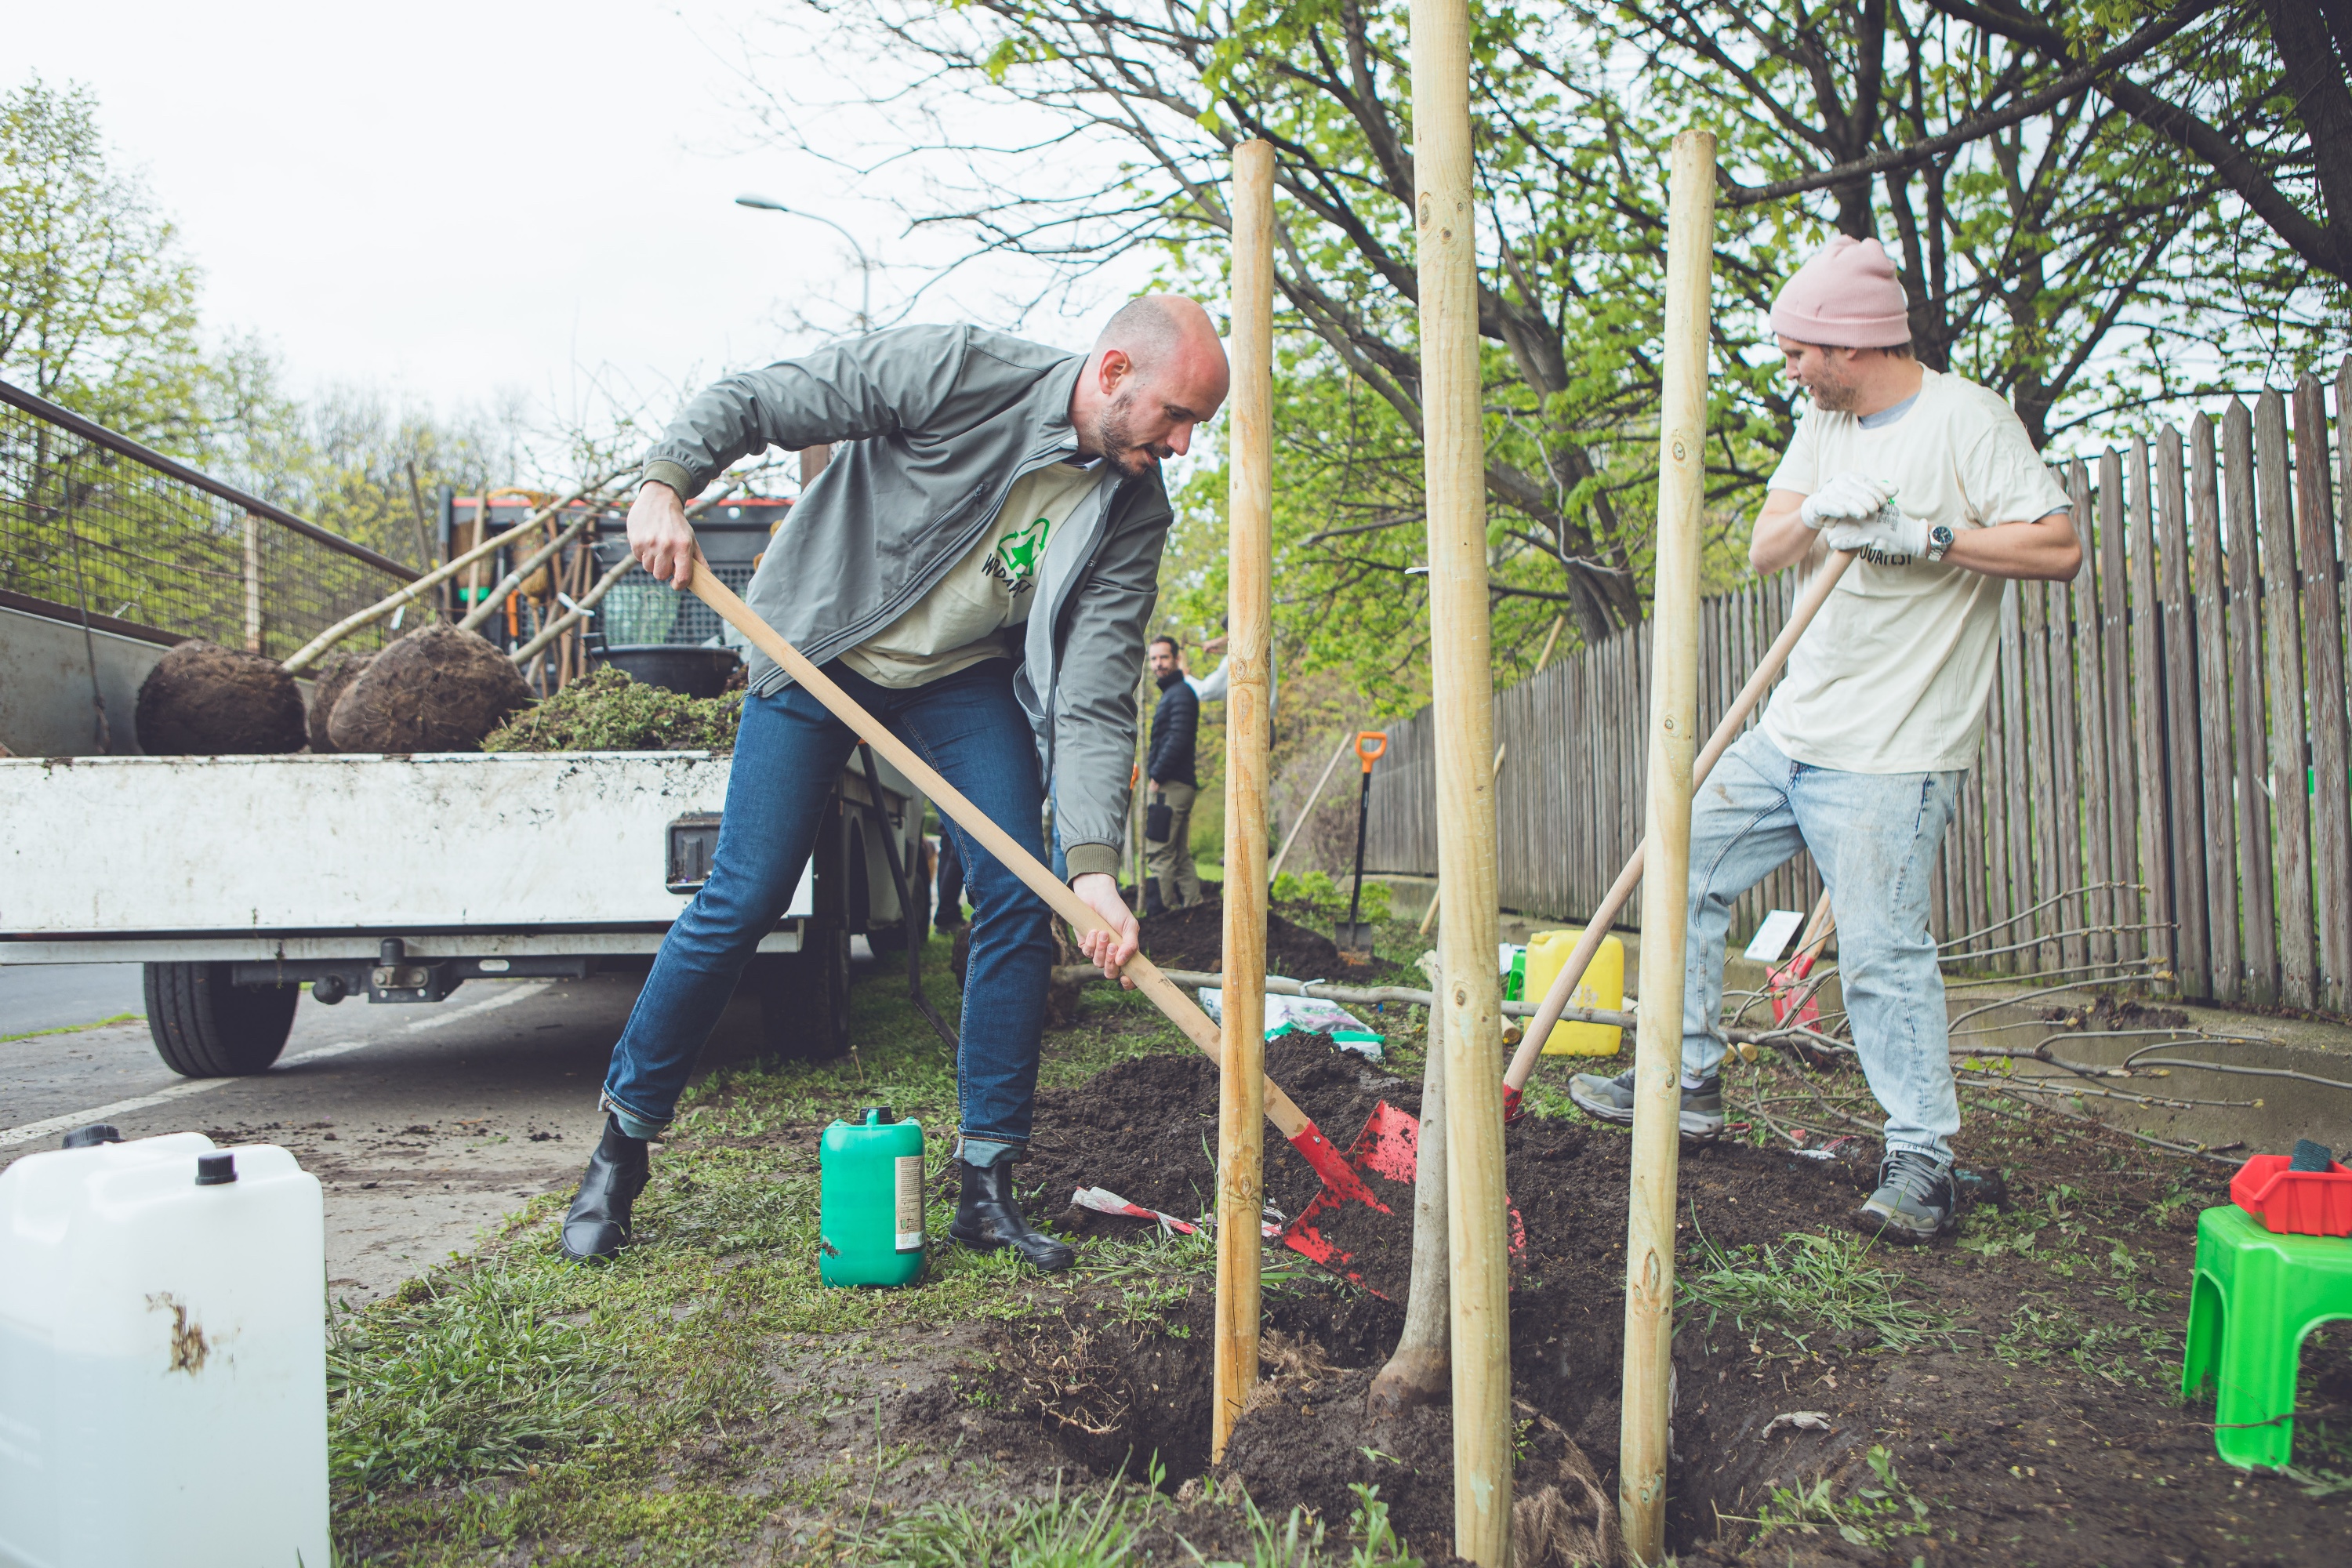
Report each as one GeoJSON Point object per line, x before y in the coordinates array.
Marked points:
{"type": "Point", "coordinates": [962, 620]}
{"type": "Point", "coordinates": [1893, 674]}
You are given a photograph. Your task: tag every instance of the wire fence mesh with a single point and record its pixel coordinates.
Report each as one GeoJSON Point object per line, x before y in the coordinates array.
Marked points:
{"type": "Point", "coordinates": [92, 521]}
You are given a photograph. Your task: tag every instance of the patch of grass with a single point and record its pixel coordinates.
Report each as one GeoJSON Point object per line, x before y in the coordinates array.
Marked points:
{"type": "Point", "coordinates": [1877, 1516]}
{"type": "Point", "coordinates": [1086, 1530]}
{"type": "Point", "coordinates": [77, 1028]}
{"type": "Point", "coordinates": [2045, 1329]}
{"type": "Point", "coordinates": [480, 1376]}
{"type": "Point", "coordinates": [618, 1412]}
{"type": "Point", "coordinates": [1808, 1285]}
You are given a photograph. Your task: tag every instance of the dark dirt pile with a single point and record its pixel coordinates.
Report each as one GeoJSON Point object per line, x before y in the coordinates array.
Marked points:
{"type": "Point", "coordinates": [335, 674]}
{"type": "Point", "coordinates": [609, 711]}
{"type": "Point", "coordinates": [2021, 1453]}
{"type": "Point", "coordinates": [204, 700]}
{"type": "Point", "coordinates": [436, 689]}
{"type": "Point", "coordinates": [1194, 939]}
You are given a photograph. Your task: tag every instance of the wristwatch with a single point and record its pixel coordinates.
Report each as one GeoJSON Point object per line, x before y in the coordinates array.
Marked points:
{"type": "Point", "coordinates": [1939, 539]}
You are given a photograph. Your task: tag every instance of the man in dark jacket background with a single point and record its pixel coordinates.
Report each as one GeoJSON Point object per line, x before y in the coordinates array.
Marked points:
{"type": "Point", "coordinates": [1170, 882]}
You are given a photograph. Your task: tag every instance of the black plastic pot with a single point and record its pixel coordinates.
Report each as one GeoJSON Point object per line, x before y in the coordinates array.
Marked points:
{"type": "Point", "coordinates": [697, 672]}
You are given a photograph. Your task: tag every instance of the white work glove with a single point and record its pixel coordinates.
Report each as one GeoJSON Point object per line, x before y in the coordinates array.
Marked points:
{"type": "Point", "coordinates": [1848, 495]}
{"type": "Point", "coordinates": [1887, 530]}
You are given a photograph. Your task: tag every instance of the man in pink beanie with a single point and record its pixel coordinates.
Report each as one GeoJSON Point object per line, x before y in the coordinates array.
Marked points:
{"type": "Point", "coordinates": [1860, 756]}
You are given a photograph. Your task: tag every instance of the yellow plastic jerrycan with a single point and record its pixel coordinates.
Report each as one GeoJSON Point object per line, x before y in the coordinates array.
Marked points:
{"type": "Point", "coordinates": [1602, 988]}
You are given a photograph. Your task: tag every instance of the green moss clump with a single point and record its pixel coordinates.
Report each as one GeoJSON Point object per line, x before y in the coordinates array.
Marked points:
{"type": "Point", "coordinates": [609, 711]}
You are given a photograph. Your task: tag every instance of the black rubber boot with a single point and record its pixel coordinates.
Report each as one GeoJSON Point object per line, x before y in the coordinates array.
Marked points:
{"type": "Point", "coordinates": [597, 1226]}
{"type": "Point", "coordinates": [987, 1217]}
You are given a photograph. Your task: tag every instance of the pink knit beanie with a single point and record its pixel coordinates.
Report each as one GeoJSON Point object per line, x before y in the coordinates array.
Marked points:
{"type": "Point", "coordinates": [1846, 297]}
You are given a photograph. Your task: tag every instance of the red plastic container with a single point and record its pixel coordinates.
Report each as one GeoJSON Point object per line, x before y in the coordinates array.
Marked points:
{"type": "Point", "coordinates": [2294, 1202]}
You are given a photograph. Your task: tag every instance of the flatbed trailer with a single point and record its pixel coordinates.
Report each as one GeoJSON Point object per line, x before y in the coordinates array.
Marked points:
{"type": "Point", "coordinates": [237, 881]}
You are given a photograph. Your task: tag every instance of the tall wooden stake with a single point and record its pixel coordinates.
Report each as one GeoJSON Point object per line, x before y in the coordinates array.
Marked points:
{"type": "Point", "coordinates": [1674, 741]}
{"type": "Point", "coordinates": [1462, 679]}
{"type": "Point", "coordinates": [1241, 1095]}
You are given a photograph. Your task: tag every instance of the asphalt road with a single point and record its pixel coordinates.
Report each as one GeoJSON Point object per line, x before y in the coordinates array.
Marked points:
{"type": "Point", "coordinates": [424, 1123]}
{"type": "Point", "coordinates": [60, 996]}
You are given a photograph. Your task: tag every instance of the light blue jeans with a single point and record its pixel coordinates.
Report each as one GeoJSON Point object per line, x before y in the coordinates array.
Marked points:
{"type": "Point", "coordinates": [1875, 837]}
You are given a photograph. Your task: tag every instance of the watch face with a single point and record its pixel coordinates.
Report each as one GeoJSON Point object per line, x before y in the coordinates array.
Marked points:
{"type": "Point", "coordinates": [1939, 539]}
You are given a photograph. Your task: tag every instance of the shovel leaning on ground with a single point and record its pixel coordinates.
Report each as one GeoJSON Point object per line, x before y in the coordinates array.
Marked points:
{"type": "Point", "coordinates": [1563, 985]}
{"type": "Point", "coordinates": [1355, 937]}
{"type": "Point", "coordinates": [1339, 1179]}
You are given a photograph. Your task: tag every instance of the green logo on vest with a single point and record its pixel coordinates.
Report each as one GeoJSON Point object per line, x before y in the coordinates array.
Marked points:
{"type": "Point", "coordinates": [1017, 555]}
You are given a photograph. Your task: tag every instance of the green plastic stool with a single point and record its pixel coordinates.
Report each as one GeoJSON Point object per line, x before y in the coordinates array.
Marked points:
{"type": "Point", "coordinates": [2252, 1300]}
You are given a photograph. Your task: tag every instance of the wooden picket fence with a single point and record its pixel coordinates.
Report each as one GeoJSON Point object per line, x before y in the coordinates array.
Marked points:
{"type": "Point", "coordinates": [2163, 779]}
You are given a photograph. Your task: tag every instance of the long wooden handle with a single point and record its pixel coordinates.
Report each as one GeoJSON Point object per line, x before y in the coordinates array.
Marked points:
{"type": "Point", "coordinates": [1164, 992]}
{"type": "Point", "coordinates": [1563, 985]}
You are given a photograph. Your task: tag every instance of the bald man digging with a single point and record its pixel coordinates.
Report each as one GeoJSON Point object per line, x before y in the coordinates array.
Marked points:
{"type": "Point", "coordinates": [976, 567]}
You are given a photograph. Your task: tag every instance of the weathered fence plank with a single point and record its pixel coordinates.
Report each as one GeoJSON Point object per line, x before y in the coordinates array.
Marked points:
{"type": "Point", "coordinates": [2248, 672]}
{"type": "Point", "coordinates": [2282, 641]}
{"type": "Point", "coordinates": [2216, 757]}
{"type": "Point", "coordinates": [2115, 661]}
{"type": "Point", "coordinates": [2323, 668]}
{"type": "Point", "coordinates": [2068, 871]}
{"type": "Point", "coordinates": [2148, 717]}
{"type": "Point", "coordinates": [2184, 792]}
{"type": "Point", "coordinates": [2091, 704]}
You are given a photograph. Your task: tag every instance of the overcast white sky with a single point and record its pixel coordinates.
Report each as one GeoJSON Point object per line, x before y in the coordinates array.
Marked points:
{"type": "Point", "coordinates": [442, 198]}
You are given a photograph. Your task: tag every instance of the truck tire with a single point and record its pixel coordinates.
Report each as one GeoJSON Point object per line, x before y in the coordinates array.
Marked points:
{"type": "Point", "coordinates": [203, 1026]}
{"type": "Point", "coordinates": [804, 996]}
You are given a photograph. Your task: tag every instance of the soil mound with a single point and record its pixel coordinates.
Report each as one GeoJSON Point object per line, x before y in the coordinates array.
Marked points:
{"type": "Point", "coordinates": [1194, 939]}
{"type": "Point", "coordinates": [436, 689]}
{"type": "Point", "coordinates": [1147, 1129]}
{"type": "Point", "coordinates": [336, 673]}
{"type": "Point", "coordinates": [204, 700]}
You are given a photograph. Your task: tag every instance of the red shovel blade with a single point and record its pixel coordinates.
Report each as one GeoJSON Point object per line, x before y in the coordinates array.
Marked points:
{"type": "Point", "coordinates": [1389, 1147]}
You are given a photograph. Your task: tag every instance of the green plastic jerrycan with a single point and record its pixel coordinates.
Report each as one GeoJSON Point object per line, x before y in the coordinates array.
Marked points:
{"type": "Point", "coordinates": [870, 1201]}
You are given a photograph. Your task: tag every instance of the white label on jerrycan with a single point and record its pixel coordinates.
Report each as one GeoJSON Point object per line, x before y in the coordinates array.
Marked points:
{"type": "Point", "coordinates": [910, 1203]}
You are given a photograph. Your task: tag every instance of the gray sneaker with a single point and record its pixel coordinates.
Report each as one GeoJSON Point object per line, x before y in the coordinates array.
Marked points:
{"type": "Point", "coordinates": [1611, 1100]}
{"type": "Point", "coordinates": [1915, 1201]}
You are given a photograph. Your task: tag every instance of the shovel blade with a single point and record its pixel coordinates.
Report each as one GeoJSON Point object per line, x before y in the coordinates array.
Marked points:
{"type": "Point", "coordinates": [1389, 1147]}
{"type": "Point", "coordinates": [1353, 939]}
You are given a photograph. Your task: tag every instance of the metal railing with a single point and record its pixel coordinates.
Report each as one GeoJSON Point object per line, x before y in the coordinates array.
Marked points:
{"type": "Point", "coordinates": [93, 521]}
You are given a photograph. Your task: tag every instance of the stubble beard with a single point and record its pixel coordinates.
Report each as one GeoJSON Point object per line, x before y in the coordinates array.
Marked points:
{"type": "Point", "coordinates": [1115, 436]}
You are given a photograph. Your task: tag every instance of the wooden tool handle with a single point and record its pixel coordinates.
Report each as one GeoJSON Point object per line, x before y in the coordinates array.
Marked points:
{"type": "Point", "coordinates": [1563, 985]}
{"type": "Point", "coordinates": [1164, 994]}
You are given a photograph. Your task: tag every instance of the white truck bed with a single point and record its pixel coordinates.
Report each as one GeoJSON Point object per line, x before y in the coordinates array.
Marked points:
{"type": "Point", "coordinates": [292, 857]}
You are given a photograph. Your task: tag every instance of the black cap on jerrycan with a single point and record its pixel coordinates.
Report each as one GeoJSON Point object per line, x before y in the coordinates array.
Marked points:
{"type": "Point", "coordinates": [876, 1116]}
{"type": "Point", "coordinates": [216, 1170]}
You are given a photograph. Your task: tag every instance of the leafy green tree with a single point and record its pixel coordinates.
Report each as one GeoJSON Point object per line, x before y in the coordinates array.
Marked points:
{"type": "Point", "coordinates": [2054, 248]}
{"type": "Point", "coordinates": [98, 306]}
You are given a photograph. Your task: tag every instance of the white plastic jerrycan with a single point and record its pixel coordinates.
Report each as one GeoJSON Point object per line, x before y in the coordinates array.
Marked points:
{"type": "Point", "coordinates": [163, 1358]}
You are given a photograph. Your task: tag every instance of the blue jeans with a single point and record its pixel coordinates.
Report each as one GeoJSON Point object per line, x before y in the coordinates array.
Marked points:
{"type": "Point", "coordinates": [1875, 837]}
{"type": "Point", "coordinates": [788, 756]}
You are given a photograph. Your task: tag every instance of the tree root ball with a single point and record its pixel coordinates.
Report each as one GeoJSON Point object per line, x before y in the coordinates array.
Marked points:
{"type": "Point", "coordinates": [436, 689]}
{"type": "Point", "coordinates": [204, 700]}
{"type": "Point", "coordinates": [335, 674]}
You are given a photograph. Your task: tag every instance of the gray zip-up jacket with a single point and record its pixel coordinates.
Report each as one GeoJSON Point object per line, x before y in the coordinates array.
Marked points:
{"type": "Point", "coordinates": [929, 428]}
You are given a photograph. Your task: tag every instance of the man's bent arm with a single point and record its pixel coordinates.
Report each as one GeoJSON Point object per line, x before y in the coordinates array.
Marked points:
{"type": "Point", "coordinates": [846, 392]}
{"type": "Point", "coordinates": [2046, 550]}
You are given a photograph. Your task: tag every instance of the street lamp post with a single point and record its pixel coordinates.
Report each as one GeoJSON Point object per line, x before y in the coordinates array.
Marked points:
{"type": "Point", "coordinates": [864, 263]}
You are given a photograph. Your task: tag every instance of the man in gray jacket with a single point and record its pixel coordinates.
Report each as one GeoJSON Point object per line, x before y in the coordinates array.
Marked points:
{"type": "Point", "coordinates": [975, 566]}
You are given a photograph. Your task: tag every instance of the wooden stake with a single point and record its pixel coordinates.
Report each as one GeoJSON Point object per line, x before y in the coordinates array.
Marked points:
{"type": "Point", "coordinates": [1462, 684]}
{"type": "Point", "coordinates": [1673, 737]}
{"type": "Point", "coordinates": [1240, 1099]}
{"type": "Point", "coordinates": [1437, 888]}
